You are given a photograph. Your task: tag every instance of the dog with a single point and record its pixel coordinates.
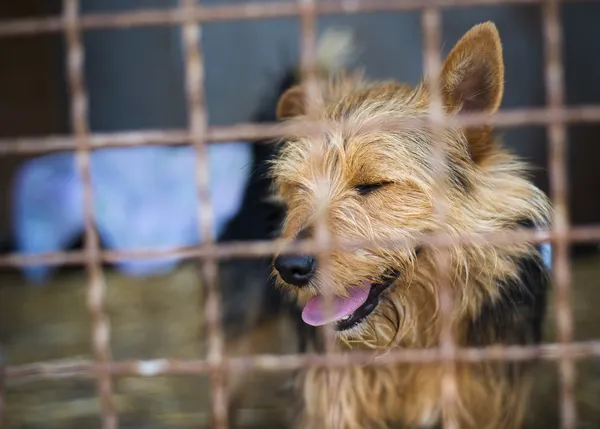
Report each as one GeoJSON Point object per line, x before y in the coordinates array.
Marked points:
{"type": "Point", "coordinates": [374, 179]}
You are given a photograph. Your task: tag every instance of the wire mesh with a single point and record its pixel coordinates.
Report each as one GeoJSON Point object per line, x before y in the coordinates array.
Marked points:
{"type": "Point", "coordinates": [190, 16]}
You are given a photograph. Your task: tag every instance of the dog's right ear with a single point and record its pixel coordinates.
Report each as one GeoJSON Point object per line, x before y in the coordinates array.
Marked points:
{"type": "Point", "coordinates": [291, 103]}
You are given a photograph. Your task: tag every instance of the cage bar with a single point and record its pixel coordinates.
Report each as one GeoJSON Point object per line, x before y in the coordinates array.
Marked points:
{"type": "Point", "coordinates": [506, 118]}
{"type": "Point", "coordinates": [194, 71]}
{"type": "Point", "coordinates": [308, 68]}
{"type": "Point", "coordinates": [431, 24]}
{"type": "Point", "coordinates": [2, 386]}
{"type": "Point", "coordinates": [96, 285]}
{"type": "Point", "coordinates": [258, 248]}
{"type": "Point", "coordinates": [557, 141]}
{"type": "Point", "coordinates": [579, 350]}
{"type": "Point", "coordinates": [247, 11]}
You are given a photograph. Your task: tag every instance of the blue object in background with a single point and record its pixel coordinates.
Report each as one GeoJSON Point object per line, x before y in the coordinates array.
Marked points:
{"type": "Point", "coordinates": [546, 251]}
{"type": "Point", "coordinates": [144, 198]}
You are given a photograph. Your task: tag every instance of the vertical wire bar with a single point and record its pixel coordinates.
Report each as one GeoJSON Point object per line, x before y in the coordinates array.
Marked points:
{"type": "Point", "coordinates": [97, 286]}
{"type": "Point", "coordinates": [308, 47]}
{"type": "Point", "coordinates": [321, 239]}
{"type": "Point", "coordinates": [194, 69]}
{"type": "Point", "coordinates": [431, 23]}
{"type": "Point", "coordinates": [557, 134]}
{"type": "Point", "coordinates": [2, 391]}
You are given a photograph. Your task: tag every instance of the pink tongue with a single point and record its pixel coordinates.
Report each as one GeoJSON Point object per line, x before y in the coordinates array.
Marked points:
{"type": "Point", "coordinates": [314, 311]}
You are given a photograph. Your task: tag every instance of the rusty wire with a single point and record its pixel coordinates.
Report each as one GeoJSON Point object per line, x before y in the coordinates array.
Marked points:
{"type": "Point", "coordinates": [308, 71]}
{"type": "Point", "coordinates": [258, 248]}
{"type": "Point", "coordinates": [189, 16]}
{"type": "Point", "coordinates": [431, 23]}
{"type": "Point", "coordinates": [96, 285]}
{"type": "Point", "coordinates": [557, 140]}
{"type": "Point", "coordinates": [508, 118]}
{"type": "Point", "coordinates": [2, 384]}
{"type": "Point", "coordinates": [246, 11]}
{"type": "Point", "coordinates": [321, 236]}
{"type": "Point", "coordinates": [194, 66]}
{"type": "Point", "coordinates": [280, 363]}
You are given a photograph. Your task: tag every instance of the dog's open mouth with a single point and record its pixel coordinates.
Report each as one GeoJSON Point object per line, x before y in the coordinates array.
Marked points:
{"type": "Point", "coordinates": [346, 312]}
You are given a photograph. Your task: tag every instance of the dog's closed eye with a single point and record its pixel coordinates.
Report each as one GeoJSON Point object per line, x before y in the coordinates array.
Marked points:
{"type": "Point", "coordinates": [367, 188]}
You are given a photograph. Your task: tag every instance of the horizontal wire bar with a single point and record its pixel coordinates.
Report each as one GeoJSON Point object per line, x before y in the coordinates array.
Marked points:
{"type": "Point", "coordinates": [261, 248]}
{"type": "Point", "coordinates": [247, 11]}
{"type": "Point", "coordinates": [509, 118]}
{"type": "Point", "coordinates": [265, 362]}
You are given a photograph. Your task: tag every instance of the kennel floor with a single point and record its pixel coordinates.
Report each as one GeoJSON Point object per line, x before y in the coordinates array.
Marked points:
{"type": "Point", "coordinates": [162, 317]}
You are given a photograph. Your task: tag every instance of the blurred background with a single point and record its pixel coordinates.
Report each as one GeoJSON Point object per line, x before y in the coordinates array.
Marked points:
{"type": "Point", "coordinates": [135, 79]}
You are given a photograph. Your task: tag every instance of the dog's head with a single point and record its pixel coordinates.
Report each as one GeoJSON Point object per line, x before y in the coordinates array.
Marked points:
{"type": "Point", "coordinates": [375, 179]}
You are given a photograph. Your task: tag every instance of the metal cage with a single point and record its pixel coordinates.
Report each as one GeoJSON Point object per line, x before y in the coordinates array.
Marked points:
{"type": "Point", "coordinates": [555, 116]}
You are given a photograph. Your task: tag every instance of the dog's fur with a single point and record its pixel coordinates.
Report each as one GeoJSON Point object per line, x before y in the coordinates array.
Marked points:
{"type": "Point", "coordinates": [379, 184]}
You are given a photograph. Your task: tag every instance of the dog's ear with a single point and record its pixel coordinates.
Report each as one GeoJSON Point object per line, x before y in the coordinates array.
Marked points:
{"type": "Point", "coordinates": [291, 103]}
{"type": "Point", "coordinates": [472, 80]}
{"type": "Point", "coordinates": [473, 73]}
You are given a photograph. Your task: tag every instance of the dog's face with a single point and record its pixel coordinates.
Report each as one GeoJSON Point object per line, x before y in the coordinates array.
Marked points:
{"type": "Point", "coordinates": [375, 180]}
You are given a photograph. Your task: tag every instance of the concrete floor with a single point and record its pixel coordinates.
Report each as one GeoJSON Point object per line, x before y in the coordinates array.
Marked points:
{"type": "Point", "coordinates": [162, 317]}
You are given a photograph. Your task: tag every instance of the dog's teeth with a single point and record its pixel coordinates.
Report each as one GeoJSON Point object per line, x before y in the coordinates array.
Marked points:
{"type": "Point", "coordinates": [345, 318]}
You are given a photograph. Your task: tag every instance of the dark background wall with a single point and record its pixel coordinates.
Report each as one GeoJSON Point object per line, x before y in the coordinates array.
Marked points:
{"type": "Point", "coordinates": [135, 76]}
{"type": "Point", "coordinates": [31, 85]}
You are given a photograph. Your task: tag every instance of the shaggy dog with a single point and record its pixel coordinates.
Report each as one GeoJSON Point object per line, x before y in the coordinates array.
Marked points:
{"type": "Point", "coordinates": [376, 183]}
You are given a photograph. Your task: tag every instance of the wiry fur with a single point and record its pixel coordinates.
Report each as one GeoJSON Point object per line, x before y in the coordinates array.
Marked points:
{"type": "Point", "coordinates": [499, 290]}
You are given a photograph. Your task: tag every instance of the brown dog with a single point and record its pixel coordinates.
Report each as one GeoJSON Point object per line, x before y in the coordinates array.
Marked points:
{"type": "Point", "coordinates": [376, 184]}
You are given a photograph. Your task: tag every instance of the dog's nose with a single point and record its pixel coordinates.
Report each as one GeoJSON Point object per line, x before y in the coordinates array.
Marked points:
{"type": "Point", "coordinates": [295, 270]}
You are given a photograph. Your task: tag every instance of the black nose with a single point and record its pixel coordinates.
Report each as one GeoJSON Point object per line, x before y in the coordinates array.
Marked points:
{"type": "Point", "coordinates": [295, 270]}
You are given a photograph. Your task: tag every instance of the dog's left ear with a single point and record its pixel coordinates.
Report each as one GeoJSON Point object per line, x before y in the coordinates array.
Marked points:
{"type": "Point", "coordinates": [473, 73]}
{"type": "Point", "coordinates": [291, 103]}
{"type": "Point", "coordinates": [472, 80]}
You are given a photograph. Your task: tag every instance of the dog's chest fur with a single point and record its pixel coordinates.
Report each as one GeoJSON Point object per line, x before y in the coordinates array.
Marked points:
{"type": "Point", "coordinates": [516, 318]}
